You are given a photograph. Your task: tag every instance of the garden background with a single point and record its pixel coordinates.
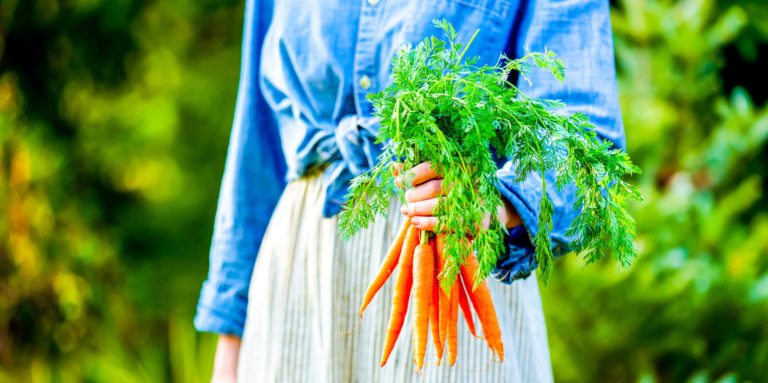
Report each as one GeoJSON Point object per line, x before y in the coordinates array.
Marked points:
{"type": "Point", "coordinates": [114, 122]}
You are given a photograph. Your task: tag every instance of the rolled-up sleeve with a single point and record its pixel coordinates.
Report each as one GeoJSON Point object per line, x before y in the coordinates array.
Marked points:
{"type": "Point", "coordinates": [254, 178]}
{"type": "Point", "coordinates": [579, 32]}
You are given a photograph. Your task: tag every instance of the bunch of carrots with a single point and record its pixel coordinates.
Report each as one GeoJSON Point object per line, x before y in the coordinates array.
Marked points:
{"type": "Point", "coordinates": [420, 260]}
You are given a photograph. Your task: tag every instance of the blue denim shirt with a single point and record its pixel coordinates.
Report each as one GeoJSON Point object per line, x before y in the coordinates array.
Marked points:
{"type": "Point", "coordinates": [306, 68]}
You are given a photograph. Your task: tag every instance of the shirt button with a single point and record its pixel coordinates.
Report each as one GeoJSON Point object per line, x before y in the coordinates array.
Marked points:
{"type": "Point", "coordinates": [365, 82]}
{"type": "Point", "coordinates": [373, 2]}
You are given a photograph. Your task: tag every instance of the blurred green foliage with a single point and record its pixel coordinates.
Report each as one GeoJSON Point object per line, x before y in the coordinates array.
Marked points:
{"type": "Point", "coordinates": [114, 121]}
{"type": "Point", "coordinates": [694, 306]}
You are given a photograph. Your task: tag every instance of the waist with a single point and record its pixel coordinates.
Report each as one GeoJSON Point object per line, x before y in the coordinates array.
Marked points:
{"type": "Point", "coordinates": [307, 145]}
{"type": "Point", "coordinates": [339, 151]}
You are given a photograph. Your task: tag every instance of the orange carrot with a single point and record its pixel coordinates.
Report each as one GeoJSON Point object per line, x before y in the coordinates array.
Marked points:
{"type": "Point", "coordinates": [452, 338]}
{"type": "Point", "coordinates": [423, 279]}
{"type": "Point", "coordinates": [434, 309]}
{"type": "Point", "coordinates": [444, 303]}
{"type": "Point", "coordinates": [390, 261]}
{"type": "Point", "coordinates": [433, 327]}
{"type": "Point", "coordinates": [465, 308]}
{"type": "Point", "coordinates": [402, 292]}
{"type": "Point", "coordinates": [481, 300]}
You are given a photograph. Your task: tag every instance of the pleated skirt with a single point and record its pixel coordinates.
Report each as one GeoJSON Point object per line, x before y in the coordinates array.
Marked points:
{"type": "Point", "coordinates": [305, 294]}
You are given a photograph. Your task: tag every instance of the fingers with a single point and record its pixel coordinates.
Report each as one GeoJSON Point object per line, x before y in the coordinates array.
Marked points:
{"type": "Point", "coordinates": [425, 207]}
{"type": "Point", "coordinates": [427, 190]}
{"type": "Point", "coordinates": [424, 223]}
{"type": "Point", "coordinates": [421, 173]}
{"type": "Point", "coordinates": [421, 198]}
{"type": "Point", "coordinates": [421, 213]}
{"type": "Point", "coordinates": [396, 168]}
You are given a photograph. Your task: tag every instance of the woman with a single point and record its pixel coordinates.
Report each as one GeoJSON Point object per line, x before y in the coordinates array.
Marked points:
{"type": "Point", "coordinates": [302, 118]}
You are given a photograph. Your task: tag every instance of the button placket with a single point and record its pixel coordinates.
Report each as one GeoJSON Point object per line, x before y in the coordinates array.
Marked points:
{"type": "Point", "coordinates": [365, 55]}
{"type": "Point", "coordinates": [365, 82]}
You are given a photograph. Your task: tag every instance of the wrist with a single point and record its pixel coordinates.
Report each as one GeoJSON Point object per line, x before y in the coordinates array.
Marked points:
{"type": "Point", "coordinates": [508, 215]}
{"type": "Point", "coordinates": [225, 361]}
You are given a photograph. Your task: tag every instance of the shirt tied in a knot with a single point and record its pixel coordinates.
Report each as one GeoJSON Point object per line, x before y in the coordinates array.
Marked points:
{"type": "Point", "coordinates": [355, 140]}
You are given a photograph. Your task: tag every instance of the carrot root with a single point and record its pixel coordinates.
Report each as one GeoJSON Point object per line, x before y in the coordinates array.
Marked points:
{"type": "Point", "coordinates": [481, 299]}
{"type": "Point", "coordinates": [402, 293]}
{"type": "Point", "coordinates": [465, 310]}
{"type": "Point", "coordinates": [452, 338]}
{"type": "Point", "coordinates": [444, 302]}
{"type": "Point", "coordinates": [423, 279]}
{"type": "Point", "coordinates": [387, 266]}
{"type": "Point", "coordinates": [434, 309]}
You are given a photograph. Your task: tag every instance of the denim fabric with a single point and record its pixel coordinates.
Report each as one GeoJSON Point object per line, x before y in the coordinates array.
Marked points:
{"type": "Point", "coordinates": [306, 68]}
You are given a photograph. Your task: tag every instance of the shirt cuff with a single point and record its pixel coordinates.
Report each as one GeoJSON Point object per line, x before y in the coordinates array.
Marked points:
{"type": "Point", "coordinates": [519, 258]}
{"type": "Point", "coordinates": [209, 320]}
{"type": "Point", "coordinates": [219, 312]}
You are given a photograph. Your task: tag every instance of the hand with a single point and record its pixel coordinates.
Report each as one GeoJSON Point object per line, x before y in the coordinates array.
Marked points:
{"type": "Point", "coordinates": [225, 361]}
{"type": "Point", "coordinates": [422, 199]}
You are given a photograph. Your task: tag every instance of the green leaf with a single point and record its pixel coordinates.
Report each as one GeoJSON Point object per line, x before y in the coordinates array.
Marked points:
{"type": "Point", "coordinates": [444, 109]}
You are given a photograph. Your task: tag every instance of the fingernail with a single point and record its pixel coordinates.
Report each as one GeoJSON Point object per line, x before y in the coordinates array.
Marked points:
{"type": "Point", "coordinates": [404, 209]}
{"type": "Point", "coordinates": [415, 221]}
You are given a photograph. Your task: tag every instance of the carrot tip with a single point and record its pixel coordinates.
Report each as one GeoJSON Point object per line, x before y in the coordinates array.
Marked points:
{"type": "Point", "coordinates": [352, 329]}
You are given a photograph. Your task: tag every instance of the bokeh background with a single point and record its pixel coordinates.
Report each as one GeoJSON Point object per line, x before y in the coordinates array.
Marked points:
{"type": "Point", "coordinates": [114, 122]}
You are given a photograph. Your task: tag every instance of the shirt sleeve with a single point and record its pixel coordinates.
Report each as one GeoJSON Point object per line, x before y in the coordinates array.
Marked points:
{"type": "Point", "coordinates": [254, 178]}
{"type": "Point", "coordinates": [579, 32]}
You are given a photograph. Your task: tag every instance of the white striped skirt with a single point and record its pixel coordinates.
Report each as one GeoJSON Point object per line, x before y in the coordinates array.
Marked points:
{"type": "Point", "coordinates": [305, 295]}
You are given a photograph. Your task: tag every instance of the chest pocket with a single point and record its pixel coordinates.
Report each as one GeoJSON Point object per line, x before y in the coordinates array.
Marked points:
{"type": "Point", "coordinates": [490, 17]}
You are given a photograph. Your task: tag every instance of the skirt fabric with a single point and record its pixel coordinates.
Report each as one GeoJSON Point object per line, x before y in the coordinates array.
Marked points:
{"type": "Point", "coordinates": [305, 295]}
